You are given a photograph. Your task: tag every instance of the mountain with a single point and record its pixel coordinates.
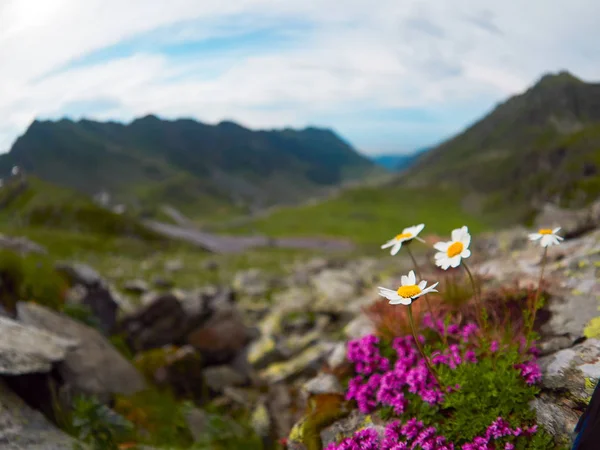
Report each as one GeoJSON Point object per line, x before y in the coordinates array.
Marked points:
{"type": "Point", "coordinates": [540, 146]}
{"type": "Point", "coordinates": [196, 167]}
{"type": "Point", "coordinates": [395, 162]}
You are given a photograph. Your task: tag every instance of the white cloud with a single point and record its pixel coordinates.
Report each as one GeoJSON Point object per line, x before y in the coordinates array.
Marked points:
{"type": "Point", "coordinates": [360, 56]}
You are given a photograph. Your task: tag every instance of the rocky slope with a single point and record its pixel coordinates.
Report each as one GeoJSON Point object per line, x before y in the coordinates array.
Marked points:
{"type": "Point", "coordinates": [265, 347]}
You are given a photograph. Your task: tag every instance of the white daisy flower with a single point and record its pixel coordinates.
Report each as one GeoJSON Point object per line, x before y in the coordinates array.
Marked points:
{"type": "Point", "coordinates": [546, 237]}
{"type": "Point", "coordinates": [408, 292]}
{"type": "Point", "coordinates": [406, 235]}
{"type": "Point", "coordinates": [451, 253]}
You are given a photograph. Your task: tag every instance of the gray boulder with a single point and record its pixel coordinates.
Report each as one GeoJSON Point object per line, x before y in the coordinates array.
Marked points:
{"type": "Point", "coordinates": [22, 428]}
{"type": "Point", "coordinates": [26, 349]}
{"type": "Point", "coordinates": [94, 367]}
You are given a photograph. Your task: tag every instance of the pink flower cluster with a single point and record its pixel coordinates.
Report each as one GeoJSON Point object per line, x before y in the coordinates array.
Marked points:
{"type": "Point", "coordinates": [376, 384]}
{"type": "Point", "coordinates": [414, 435]}
{"type": "Point", "coordinates": [379, 383]}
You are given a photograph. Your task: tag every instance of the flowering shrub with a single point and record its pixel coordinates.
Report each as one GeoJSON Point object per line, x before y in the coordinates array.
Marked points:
{"type": "Point", "coordinates": [484, 407]}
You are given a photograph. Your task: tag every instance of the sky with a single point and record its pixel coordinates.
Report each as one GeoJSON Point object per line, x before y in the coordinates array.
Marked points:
{"type": "Point", "coordinates": [389, 76]}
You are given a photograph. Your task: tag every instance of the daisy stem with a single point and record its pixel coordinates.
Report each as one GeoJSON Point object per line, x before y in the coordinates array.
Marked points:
{"type": "Point", "coordinates": [418, 344]}
{"type": "Point", "coordinates": [418, 270]}
{"type": "Point", "coordinates": [476, 293]}
{"type": "Point", "coordinates": [534, 306]}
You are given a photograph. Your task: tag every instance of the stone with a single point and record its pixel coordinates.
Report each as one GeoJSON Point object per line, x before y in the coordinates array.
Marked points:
{"type": "Point", "coordinates": [324, 383]}
{"type": "Point", "coordinates": [307, 362]}
{"type": "Point", "coordinates": [337, 358]}
{"type": "Point", "coordinates": [174, 265]}
{"type": "Point", "coordinates": [98, 296]}
{"type": "Point", "coordinates": [334, 288]}
{"type": "Point", "coordinates": [196, 421]}
{"type": "Point", "coordinates": [79, 273]}
{"type": "Point", "coordinates": [183, 373]}
{"type": "Point", "coordinates": [221, 337]}
{"type": "Point", "coordinates": [136, 287]}
{"type": "Point", "coordinates": [558, 420]}
{"type": "Point", "coordinates": [217, 378]}
{"type": "Point", "coordinates": [165, 319]}
{"type": "Point", "coordinates": [568, 369]}
{"type": "Point", "coordinates": [94, 366]}
{"type": "Point", "coordinates": [162, 283]}
{"type": "Point", "coordinates": [263, 352]}
{"type": "Point", "coordinates": [22, 428]}
{"type": "Point", "coordinates": [359, 327]}
{"type": "Point", "coordinates": [252, 282]}
{"type": "Point", "coordinates": [21, 245]}
{"type": "Point", "coordinates": [27, 349]}
{"type": "Point", "coordinates": [347, 426]}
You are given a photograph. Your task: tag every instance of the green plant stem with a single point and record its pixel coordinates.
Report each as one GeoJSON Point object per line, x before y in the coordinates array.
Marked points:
{"type": "Point", "coordinates": [534, 306]}
{"type": "Point", "coordinates": [476, 293]}
{"type": "Point", "coordinates": [418, 344]}
{"type": "Point", "coordinates": [418, 270]}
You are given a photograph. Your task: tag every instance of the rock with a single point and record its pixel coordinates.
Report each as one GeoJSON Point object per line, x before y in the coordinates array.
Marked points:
{"type": "Point", "coordinates": [296, 343]}
{"type": "Point", "coordinates": [337, 358]}
{"type": "Point", "coordinates": [261, 421]}
{"type": "Point", "coordinates": [559, 420]}
{"type": "Point", "coordinates": [21, 245]}
{"type": "Point", "coordinates": [174, 265]}
{"type": "Point", "coordinates": [165, 320]}
{"type": "Point", "coordinates": [567, 370]}
{"type": "Point", "coordinates": [283, 408]}
{"type": "Point", "coordinates": [94, 367]}
{"type": "Point", "coordinates": [221, 337]}
{"type": "Point", "coordinates": [22, 428]}
{"type": "Point", "coordinates": [347, 426]}
{"type": "Point", "coordinates": [79, 273]}
{"type": "Point", "coordinates": [218, 378]}
{"type": "Point", "coordinates": [210, 265]}
{"type": "Point", "coordinates": [136, 287]}
{"type": "Point", "coordinates": [263, 352]}
{"type": "Point", "coordinates": [324, 383]}
{"type": "Point", "coordinates": [27, 349]}
{"type": "Point", "coordinates": [359, 327]}
{"type": "Point", "coordinates": [162, 283]}
{"type": "Point", "coordinates": [196, 421]}
{"type": "Point", "coordinates": [183, 373]}
{"type": "Point", "coordinates": [252, 282]}
{"type": "Point", "coordinates": [306, 362]}
{"type": "Point", "coordinates": [334, 288]}
{"type": "Point", "coordinates": [98, 297]}
{"type": "Point", "coordinates": [292, 300]}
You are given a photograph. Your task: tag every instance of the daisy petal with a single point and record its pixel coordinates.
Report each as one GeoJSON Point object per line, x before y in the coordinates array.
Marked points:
{"type": "Point", "coordinates": [442, 246]}
{"type": "Point", "coordinates": [411, 277]}
{"type": "Point", "coordinates": [388, 244]}
{"type": "Point", "coordinates": [403, 280]}
{"type": "Point", "coordinates": [422, 284]}
{"type": "Point", "coordinates": [396, 248]}
{"type": "Point", "coordinates": [401, 301]}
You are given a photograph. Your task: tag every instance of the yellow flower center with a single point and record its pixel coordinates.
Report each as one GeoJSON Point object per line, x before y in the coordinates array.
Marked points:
{"type": "Point", "coordinates": [545, 231]}
{"type": "Point", "coordinates": [455, 249]}
{"type": "Point", "coordinates": [403, 236]}
{"type": "Point", "coordinates": [409, 291]}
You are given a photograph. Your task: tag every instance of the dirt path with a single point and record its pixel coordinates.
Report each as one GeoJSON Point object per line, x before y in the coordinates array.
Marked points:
{"type": "Point", "coordinates": [234, 244]}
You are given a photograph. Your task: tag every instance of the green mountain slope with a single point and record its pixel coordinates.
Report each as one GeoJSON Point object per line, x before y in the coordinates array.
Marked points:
{"type": "Point", "coordinates": [196, 167]}
{"type": "Point", "coordinates": [540, 146]}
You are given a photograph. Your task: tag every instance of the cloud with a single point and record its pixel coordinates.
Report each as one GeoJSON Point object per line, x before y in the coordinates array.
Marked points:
{"type": "Point", "coordinates": [387, 75]}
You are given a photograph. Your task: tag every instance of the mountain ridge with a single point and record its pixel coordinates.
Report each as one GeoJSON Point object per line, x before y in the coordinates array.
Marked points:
{"type": "Point", "coordinates": [185, 162]}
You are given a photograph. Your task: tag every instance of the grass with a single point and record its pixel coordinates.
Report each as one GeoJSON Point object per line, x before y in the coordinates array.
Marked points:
{"type": "Point", "coordinates": [367, 215]}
